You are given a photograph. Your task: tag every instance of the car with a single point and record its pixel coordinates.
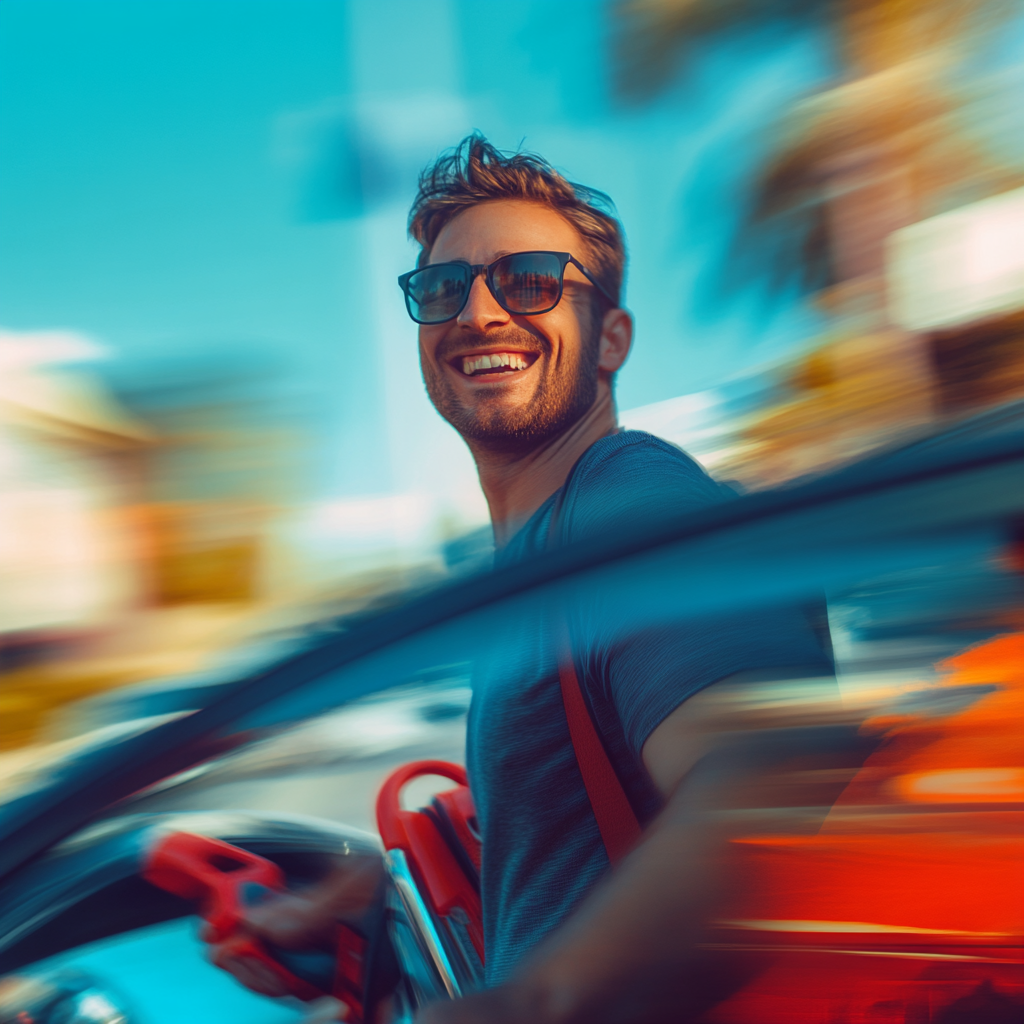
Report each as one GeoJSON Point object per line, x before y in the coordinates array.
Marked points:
{"type": "Point", "coordinates": [885, 885]}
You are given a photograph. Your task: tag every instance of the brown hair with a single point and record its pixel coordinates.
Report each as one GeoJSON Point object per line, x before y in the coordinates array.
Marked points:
{"type": "Point", "coordinates": [475, 172]}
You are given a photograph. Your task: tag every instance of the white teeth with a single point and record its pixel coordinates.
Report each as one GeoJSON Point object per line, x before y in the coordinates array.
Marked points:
{"type": "Point", "coordinates": [513, 360]}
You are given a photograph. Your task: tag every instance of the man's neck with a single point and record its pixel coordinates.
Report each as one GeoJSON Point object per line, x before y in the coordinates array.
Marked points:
{"type": "Point", "coordinates": [516, 485]}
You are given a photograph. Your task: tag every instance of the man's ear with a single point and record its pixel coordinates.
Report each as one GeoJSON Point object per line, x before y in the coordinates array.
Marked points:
{"type": "Point", "coordinates": [616, 339]}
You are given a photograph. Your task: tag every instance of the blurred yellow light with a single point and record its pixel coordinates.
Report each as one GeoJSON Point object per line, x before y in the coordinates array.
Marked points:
{"type": "Point", "coordinates": [987, 784]}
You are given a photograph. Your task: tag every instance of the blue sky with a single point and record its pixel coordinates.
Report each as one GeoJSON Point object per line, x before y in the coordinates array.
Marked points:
{"type": "Point", "coordinates": [223, 183]}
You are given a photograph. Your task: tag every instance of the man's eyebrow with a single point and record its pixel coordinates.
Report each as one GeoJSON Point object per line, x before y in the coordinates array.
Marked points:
{"type": "Point", "coordinates": [494, 256]}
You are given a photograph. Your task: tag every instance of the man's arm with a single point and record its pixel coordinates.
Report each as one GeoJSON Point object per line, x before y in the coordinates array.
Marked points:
{"type": "Point", "coordinates": [306, 919]}
{"type": "Point", "coordinates": [631, 950]}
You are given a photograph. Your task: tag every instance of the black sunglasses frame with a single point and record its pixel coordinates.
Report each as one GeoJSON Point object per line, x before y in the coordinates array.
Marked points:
{"type": "Point", "coordinates": [487, 269]}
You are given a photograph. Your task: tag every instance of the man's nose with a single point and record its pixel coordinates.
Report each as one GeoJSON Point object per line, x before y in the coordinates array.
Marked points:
{"type": "Point", "coordinates": [482, 310]}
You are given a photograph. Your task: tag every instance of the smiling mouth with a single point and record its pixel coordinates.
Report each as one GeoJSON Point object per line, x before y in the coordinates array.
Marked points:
{"type": "Point", "coordinates": [494, 363]}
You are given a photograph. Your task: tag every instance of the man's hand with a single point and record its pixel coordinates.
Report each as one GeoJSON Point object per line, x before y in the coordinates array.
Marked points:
{"type": "Point", "coordinates": [283, 919]}
{"type": "Point", "coordinates": [506, 1004]}
{"type": "Point", "coordinates": [305, 920]}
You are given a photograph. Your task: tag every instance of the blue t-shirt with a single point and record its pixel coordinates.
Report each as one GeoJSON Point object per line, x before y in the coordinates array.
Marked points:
{"type": "Point", "coordinates": [542, 851]}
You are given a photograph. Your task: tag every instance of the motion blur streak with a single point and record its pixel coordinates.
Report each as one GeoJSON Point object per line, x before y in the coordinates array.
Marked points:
{"type": "Point", "coordinates": [908, 899]}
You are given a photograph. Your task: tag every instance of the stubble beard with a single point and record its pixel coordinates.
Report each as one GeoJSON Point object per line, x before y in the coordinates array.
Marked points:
{"type": "Point", "coordinates": [560, 398]}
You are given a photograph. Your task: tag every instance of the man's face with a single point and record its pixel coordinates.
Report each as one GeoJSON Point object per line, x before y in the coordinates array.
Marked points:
{"type": "Point", "coordinates": [551, 376]}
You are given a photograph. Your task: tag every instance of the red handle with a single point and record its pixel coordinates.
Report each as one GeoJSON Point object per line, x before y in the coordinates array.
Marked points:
{"type": "Point", "coordinates": [432, 860]}
{"type": "Point", "coordinates": [391, 819]}
{"type": "Point", "coordinates": [216, 875]}
{"type": "Point", "coordinates": [212, 872]}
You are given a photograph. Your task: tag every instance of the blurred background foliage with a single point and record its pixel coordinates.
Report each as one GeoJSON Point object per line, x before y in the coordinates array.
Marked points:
{"type": "Point", "coordinates": [912, 127]}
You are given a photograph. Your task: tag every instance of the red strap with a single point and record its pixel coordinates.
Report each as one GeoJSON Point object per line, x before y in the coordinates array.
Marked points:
{"type": "Point", "coordinates": [350, 975]}
{"type": "Point", "coordinates": [615, 818]}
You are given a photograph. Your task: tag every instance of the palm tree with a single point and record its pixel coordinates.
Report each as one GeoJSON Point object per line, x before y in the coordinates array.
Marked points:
{"type": "Point", "coordinates": [889, 144]}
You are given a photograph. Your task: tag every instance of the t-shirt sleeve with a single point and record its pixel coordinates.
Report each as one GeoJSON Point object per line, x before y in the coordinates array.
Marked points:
{"type": "Point", "coordinates": [635, 484]}
{"type": "Point", "coordinates": [649, 673]}
{"type": "Point", "coordinates": [645, 675]}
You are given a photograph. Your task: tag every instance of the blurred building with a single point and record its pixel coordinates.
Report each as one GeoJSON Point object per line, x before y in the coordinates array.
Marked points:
{"type": "Point", "coordinates": [71, 466]}
{"type": "Point", "coordinates": [73, 549]}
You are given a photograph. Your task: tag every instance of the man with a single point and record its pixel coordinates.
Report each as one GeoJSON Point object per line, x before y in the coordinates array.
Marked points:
{"type": "Point", "coordinates": [518, 298]}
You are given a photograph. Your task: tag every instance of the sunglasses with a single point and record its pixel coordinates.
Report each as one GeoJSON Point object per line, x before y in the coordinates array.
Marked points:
{"type": "Point", "coordinates": [522, 282]}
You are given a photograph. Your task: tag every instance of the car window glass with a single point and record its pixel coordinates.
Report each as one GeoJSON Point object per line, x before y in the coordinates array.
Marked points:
{"type": "Point", "coordinates": [329, 765]}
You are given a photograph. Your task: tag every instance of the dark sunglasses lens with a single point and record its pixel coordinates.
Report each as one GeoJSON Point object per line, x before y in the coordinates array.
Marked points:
{"type": "Point", "coordinates": [528, 282]}
{"type": "Point", "coordinates": [437, 293]}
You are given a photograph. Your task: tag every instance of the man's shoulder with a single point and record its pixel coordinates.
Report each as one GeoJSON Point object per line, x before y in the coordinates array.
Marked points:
{"type": "Point", "coordinates": [629, 446]}
{"type": "Point", "coordinates": [634, 457]}
{"type": "Point", "coordinates": [631, 478]}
